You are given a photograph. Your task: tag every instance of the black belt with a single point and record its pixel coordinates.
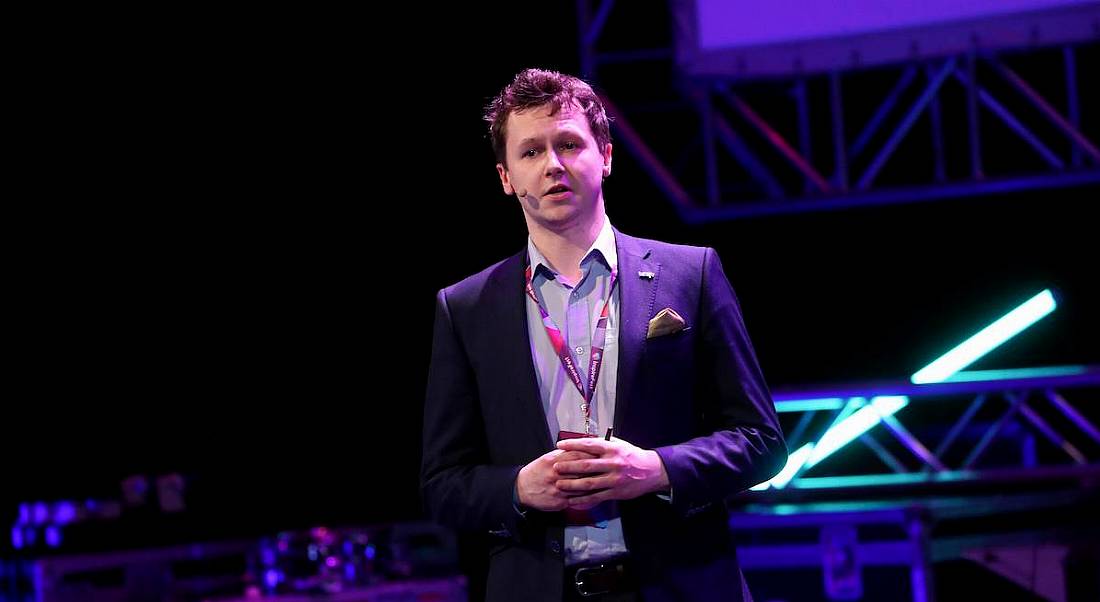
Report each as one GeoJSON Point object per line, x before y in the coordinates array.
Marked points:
{"type": "Point", "coordinates": [608, 577]}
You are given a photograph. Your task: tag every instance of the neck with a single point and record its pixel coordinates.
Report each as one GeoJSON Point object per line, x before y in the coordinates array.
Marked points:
{"type": "Point", "coordinates": [565, 249]}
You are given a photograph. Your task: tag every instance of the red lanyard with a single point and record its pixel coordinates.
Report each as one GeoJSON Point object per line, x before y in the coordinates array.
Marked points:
{"type": "Point", "coordinates": [595, 359]}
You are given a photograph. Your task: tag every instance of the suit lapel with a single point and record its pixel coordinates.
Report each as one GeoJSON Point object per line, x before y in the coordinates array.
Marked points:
{"type": "Point", "coordinates": [509, 310]}
{"type": "Point", "coordinates": [636, 297]}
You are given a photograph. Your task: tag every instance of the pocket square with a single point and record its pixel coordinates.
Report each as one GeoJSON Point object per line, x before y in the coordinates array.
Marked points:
{"type": "Point", "coordinates": [667, 321]}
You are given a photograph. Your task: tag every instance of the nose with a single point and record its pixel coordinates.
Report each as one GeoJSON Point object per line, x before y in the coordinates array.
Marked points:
{"type": "Point", "coordinates": [553, 164]}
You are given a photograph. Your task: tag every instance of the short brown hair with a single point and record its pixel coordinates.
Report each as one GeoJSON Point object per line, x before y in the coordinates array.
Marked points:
{"type": "Point", "coordinates": [538, 87]}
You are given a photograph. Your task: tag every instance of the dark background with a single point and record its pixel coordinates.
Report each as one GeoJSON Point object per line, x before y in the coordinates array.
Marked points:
{"type": "Point", "coordinates": [236, 224]}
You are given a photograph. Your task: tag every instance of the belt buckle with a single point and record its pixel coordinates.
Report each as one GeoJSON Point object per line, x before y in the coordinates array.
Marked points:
{"type": "Point", "coordinates": [582, 587]}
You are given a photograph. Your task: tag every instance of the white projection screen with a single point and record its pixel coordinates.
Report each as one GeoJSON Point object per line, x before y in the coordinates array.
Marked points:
{"type": "Point", "coordinates": [784, 37]}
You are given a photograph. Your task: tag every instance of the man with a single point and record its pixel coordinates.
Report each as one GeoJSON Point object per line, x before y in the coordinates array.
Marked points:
{"type": "Point", "coordinates": [593, 399]}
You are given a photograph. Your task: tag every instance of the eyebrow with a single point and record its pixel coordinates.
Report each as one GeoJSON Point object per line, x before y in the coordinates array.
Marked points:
{"type": "Point", "coordinates": [557, 134]}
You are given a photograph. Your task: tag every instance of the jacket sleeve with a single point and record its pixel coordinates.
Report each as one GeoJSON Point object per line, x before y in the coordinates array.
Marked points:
{"type": "Point", "coordinates": [745, 445]}
{"type": "Point", "coordinates": [460, 488]}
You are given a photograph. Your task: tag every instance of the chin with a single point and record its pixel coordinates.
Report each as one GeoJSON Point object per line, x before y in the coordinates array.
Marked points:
{"type": "Point", "coordinates": [560, 216]}
{"type": "Point", "coordinates": [562, 223]}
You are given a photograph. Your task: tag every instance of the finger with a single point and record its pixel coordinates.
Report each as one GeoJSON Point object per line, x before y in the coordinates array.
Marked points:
{"type": "Point", "coordinates": [584, 467]}
{"type": "Point", "coordinates": [586, 484]}
{"type": "Point", "coordinates": [574, 455]}
{"type": "Point", "coordinates": [585, 444]}
{"type": "Point", "coordinates": [552, 455]}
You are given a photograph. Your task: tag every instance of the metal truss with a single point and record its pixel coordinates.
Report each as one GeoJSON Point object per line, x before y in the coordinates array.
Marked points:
{"type": "Point", "coordinates": [948, 432]}
{"type": "Point", "coordinates": [960, 451]}
{"type": "Point", "coordinates": [842, 539]}
{"type": "Point", "coordinates": [751, 168]}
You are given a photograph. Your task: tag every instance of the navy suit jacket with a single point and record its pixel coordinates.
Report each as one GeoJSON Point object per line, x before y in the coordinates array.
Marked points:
{"type": "Point", "coordinates": [697, 397]}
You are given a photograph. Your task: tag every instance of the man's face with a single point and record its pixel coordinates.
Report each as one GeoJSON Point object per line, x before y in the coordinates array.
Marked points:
{"type": "Point", "coordinates": [555, 167]}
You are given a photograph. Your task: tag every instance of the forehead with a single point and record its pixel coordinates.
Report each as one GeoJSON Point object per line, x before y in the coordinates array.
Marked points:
{"type": "Point", "coordinates": [538, 122]}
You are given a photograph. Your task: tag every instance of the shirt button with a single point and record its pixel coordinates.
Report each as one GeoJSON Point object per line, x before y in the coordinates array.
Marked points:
{"type": "Point", "coordinates": [555, 547]}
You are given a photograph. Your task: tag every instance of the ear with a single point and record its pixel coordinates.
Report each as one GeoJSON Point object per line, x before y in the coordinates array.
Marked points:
{"type": "Point", "coordinates": [505, 180]}
{"type": "Point", "coordinates": [607, 160]}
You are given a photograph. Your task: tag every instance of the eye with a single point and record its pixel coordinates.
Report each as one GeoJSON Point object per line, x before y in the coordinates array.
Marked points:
{"type": "Point", "coordinates": [531, 152]}
{"type": "Point", "coordinates": [570, 145]}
